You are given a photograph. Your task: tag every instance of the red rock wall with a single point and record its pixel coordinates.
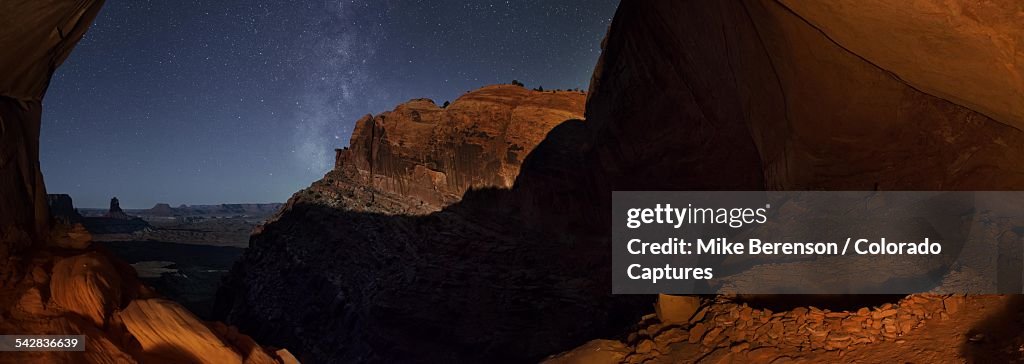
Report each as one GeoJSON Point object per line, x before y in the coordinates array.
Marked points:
{"type": "Point", "coordinates": [37, 37]}
{"type": "Point", "coordinates": [820, 116]}
{"type": "Point", "coordinates": [435, 154]}
{"type": "Point", "coordinates": [968, 52]}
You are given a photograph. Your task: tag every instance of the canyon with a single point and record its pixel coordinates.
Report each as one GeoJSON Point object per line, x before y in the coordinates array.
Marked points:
{"type": "Point", "coordinates": [181, 252]}
{"type": "Point", "coordinates": [479, 231]}
{"type": "Point", "coordinates": [744, 95]}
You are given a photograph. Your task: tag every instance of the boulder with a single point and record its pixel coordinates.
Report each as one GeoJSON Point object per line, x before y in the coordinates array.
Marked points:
{"type": "Point", "coordinates": [676, 309]}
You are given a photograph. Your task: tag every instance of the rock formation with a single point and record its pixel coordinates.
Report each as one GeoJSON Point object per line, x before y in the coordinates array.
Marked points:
{"type": "Point", "coordinates": [434, 154]}
{"type": "Point", "coordinates": [62, 208]}
{"type": "Point", "coordinates": [737, 95]}
{"type": "Point", "coordinates": [52, 281]}
{"type": "Point", "coordinates": [162, 209]}
{"type": "Point", "coordinates": [46, 33]}
{"type": "Point", "coordinates": [815, 97]}
{"type": "Point", "coordinates": [237, 209]}
{"type": "Point", "coordinates": [115, 211]}
{"type": "Point", "coordinates": [918, 328]}
{"type": "Point", "coordinates": [964, 51]}
{"type": "Point", "coordinates": [115, 221]}
{"type": "Point", "coordinates": [364, 221]}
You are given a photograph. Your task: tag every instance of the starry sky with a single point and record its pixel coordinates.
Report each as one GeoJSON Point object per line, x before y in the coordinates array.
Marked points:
{"type": "Point", "coordinates": [232, 101]}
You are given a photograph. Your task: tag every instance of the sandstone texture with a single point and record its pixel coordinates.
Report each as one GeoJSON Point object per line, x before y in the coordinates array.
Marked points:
{"type": "Point", "coordinates": [73, 290]}
{"type": "Point", "coordinates": [918, 328]}
{"type": "Point", "coordinates": [434, 154]}
{"type": "Point", "coordinates": [807, 112]}
{"type": "Point", "coordinates": [167, 331]}
{"type": "Point", "coordinates": [968, 52]}
{"type": "Point", "coordinates": [39, 36]}
{"type": "Point", "coordinates": [52, 280]}
{"type": "Point", "coordinates": [87, 285]}
{"type": "Point", "coordinates": [596, 352]}
{"type": "Point", "coordinates": [784, 83]}
{"type": "Point", "coordinates": [379, 214]}
{"type": "Point", "coordinates": [676, 309]}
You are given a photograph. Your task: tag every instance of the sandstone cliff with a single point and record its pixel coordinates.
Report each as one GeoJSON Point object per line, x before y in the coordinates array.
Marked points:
{"type": "Point", "coordinates": [737, 95]}
{"type": "Point", "coordinates": [39, 36]}
{"type": "Point", "coordinates": [435, 154]}
{"type": "Point", "coordinates": [52, 281]}
{"type": "Point", "coordinates": [378, 218]}
{"type": "Point", "coordinates": [115, 221]}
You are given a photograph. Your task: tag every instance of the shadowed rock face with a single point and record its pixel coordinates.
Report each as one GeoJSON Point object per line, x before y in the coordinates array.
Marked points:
{"type": "Point", "coordinates": [374, 217]}
{"type": "Point", "coordinates": [38, 36]}
{"type": "Point", "coordinates": [820, 116]}
{"type": "Point", "coordinates": [737, 95]}
{"type": "Point", "coordinates": [62, 208]}
{"type": "Point", "coordinates": [968, 52]}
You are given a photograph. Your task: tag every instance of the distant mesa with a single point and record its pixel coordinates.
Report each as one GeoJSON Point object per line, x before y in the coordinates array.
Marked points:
{"type": "Point", "coordinates": [115, 221]}
{"type": "Point", "coordinates": [162, 209]}
{"type": "Point", "coordinates": [62, 209]}
{"type": "Point", "coordinates": [255, 210]}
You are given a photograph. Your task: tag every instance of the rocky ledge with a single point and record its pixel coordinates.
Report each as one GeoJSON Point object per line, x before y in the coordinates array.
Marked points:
{"type": "Point", "coordinates": [917, 328]}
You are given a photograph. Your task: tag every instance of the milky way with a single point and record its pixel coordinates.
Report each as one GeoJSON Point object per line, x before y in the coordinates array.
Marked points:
{"type": "Point", "coordinates": [244, 101]}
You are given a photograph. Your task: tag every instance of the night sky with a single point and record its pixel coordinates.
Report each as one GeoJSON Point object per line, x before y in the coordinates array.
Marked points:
{"type": "Point", "coordinates": [230, 101]}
